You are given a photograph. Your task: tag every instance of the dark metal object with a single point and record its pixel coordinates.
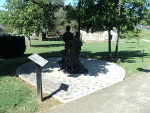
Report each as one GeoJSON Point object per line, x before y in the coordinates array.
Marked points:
{"type": "Point", "coordinates": [39, 83]}
{"type": "Point", "coordinates": [70, 62]}
{"type": "Point", "coordinates": [77, 69]}
{"type": "Point", "coordinates": [40, 62]}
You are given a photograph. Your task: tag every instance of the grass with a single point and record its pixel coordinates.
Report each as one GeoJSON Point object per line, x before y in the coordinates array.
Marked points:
{"type": "Point", "coordinates": [18, 96]}
{"type": "Point", "coordinates": [15, 96]}
{"type": "Point", "coordinates": [130, 54]}
{"type": "Point", "coordinates": [145, 34]}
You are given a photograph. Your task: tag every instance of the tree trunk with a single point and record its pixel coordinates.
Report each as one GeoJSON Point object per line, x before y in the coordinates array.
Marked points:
{"type": "Point", "coordinates": [40, 37]}
{"type": "Point", "coordinates": [118, 31]}
{"type": "Point", "coordinates": [109, 43]}
{"type": "Point", "coordinates": [29, 42]}
{"type": "Point", "coordinates": [116, 51]}
{"type": "Point", "coordinates": [47, 33]}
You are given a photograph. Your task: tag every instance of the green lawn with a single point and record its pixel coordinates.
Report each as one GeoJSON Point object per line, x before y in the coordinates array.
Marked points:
{"type": "Point", "coordinates": [130, 54]}
{"type": "Point", "coordinates": [16, 97]}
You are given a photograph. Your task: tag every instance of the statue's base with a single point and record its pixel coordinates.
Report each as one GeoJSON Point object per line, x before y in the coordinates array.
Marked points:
{"type": "Point", "coordinates": [77, 69]}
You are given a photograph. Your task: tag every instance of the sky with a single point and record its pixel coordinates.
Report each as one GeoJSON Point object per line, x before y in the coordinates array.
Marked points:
{"type": "Point", "coordinates": [3, 1]}
{"type": "Point", "coordinates": [68, 1]}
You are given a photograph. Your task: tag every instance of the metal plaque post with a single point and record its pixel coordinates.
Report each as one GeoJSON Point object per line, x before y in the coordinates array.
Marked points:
{"type": "Point", "coordinates": [39, 83]}
{"type": "Point", "coordinates": [40, 62]}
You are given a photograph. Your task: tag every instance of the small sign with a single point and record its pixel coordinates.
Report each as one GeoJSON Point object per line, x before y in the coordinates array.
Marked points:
{"type": "Point", "coordinates": [38, 59]}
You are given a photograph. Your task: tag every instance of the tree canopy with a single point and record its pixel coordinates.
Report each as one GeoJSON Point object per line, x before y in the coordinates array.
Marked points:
{"type": "Point", "coordinates": [32, 15]}
{"type": "Point", "coordinates": [99, 15]}
{"type": "Point", "coordinates": [4, 22]}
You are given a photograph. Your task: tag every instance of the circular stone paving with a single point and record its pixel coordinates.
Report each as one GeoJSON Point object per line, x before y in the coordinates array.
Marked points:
{"type": "Point", "coordinates": [68, 87]}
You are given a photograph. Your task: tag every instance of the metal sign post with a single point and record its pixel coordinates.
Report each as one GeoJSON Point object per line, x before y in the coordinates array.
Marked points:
{"type": "Point", "coordinates": [40, 62]}
{"type": "Point", "coordinates": [39, 83]}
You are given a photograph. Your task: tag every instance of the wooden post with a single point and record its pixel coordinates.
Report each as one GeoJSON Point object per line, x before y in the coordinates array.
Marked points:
{"type": "Point", "coordinates": [39, 83]}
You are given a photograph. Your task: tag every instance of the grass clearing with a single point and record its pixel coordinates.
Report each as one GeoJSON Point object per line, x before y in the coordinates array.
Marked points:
{"type": "Point", "coordinates": [18, 96]}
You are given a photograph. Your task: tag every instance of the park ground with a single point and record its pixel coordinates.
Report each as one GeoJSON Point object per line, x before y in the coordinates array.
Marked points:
{"type": "Point", "coordinates": [19, 96]}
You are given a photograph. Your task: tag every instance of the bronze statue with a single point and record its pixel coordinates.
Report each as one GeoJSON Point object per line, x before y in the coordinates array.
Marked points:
{"type": "Point", "coordinates": [70, 60]}
{"type": "Point", "coordinates": [78, 44]}
{"type": "Point", "coordinates": [72, 54]}
{"type": "Point", "coordinates": [67, 36]}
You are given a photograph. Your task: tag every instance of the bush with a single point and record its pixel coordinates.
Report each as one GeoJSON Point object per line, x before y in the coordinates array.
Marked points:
{"type": "Point", "coordinates": [12, 46]}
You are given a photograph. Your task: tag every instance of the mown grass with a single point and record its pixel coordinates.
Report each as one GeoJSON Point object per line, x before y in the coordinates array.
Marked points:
{"type": "Point", "coordinates": [16, 97]}
{"type": "Point", "coordinates": [145, 34]}
{"type": "Point", "coordinates": [131, 55]}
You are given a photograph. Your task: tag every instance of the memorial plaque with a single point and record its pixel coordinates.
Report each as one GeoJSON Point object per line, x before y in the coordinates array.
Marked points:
{"type": "Point", "coordinates": [40, 62]}
{"type": "Point", "coordinates": [38, 59]}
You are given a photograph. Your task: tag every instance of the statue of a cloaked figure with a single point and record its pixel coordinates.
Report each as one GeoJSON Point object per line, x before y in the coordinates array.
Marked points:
{"type": "Point", "coordinates": [78, 44]}
{"type": "Point", "coordinates": [70, 60]}
{"type": "Point", "coordinates": [67, 36]}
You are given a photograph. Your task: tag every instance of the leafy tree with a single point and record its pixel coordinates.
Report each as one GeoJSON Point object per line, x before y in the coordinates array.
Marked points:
{"type": "Point", "coordinates": [62, 21]}
{"type": "Point", "coordinates": [1, 28]}
{"type": "Point", "coordinates": [132, 34]}
{"type": "Point", "coordinates": [100, 15]}
{"type": "Point", "coordinates": [30, 16]}
{"type": "Point", "coordinates": [4, 22]}
{"type": "Point", "coordinates": [146, 20]}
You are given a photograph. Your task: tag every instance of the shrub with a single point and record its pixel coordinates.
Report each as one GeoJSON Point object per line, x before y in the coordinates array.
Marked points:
{"type": "Point", "coordinates": [12, 46]}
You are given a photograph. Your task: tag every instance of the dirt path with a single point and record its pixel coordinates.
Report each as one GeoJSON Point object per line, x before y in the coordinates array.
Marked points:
{"type": "Point", "coordinates": [146, 40]}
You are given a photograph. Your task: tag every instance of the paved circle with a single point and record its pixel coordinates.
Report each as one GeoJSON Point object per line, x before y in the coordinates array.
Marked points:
{"type": "Point", "coordinates": [68, 87]}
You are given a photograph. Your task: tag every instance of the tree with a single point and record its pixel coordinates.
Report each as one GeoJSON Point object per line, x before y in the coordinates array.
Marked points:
{"type": "Point", "coordinates": [4, 22]}
{"type": "Point", "coordinates": [61, 21]}
{"type": "Point", "coordinates": [30, 16]}
{"type": "Point", "coordinates": [146, 20]}
{"type": "Point", "coordinates": [100, 15]}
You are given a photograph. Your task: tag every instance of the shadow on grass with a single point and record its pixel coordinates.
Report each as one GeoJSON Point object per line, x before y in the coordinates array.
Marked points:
{"type": "Point", "coordinates": [7, 66]}
{"type": "Point", "coordinates": [130, 42]}
{"type": "Point", "coordinates": [49, 39]}
{"type": "Point", "coordinates": [47, 54]}
{"type": "Point", "coordinates": [53, 39]}
{"type": "Point", "coordinates": [138, 46]}
{"type": "Point", "coordinates": [125, 56]}
{"type": "Point", "coordinates": [143, 70]}
{"type": "Point", "coordinates": [48, 45]}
